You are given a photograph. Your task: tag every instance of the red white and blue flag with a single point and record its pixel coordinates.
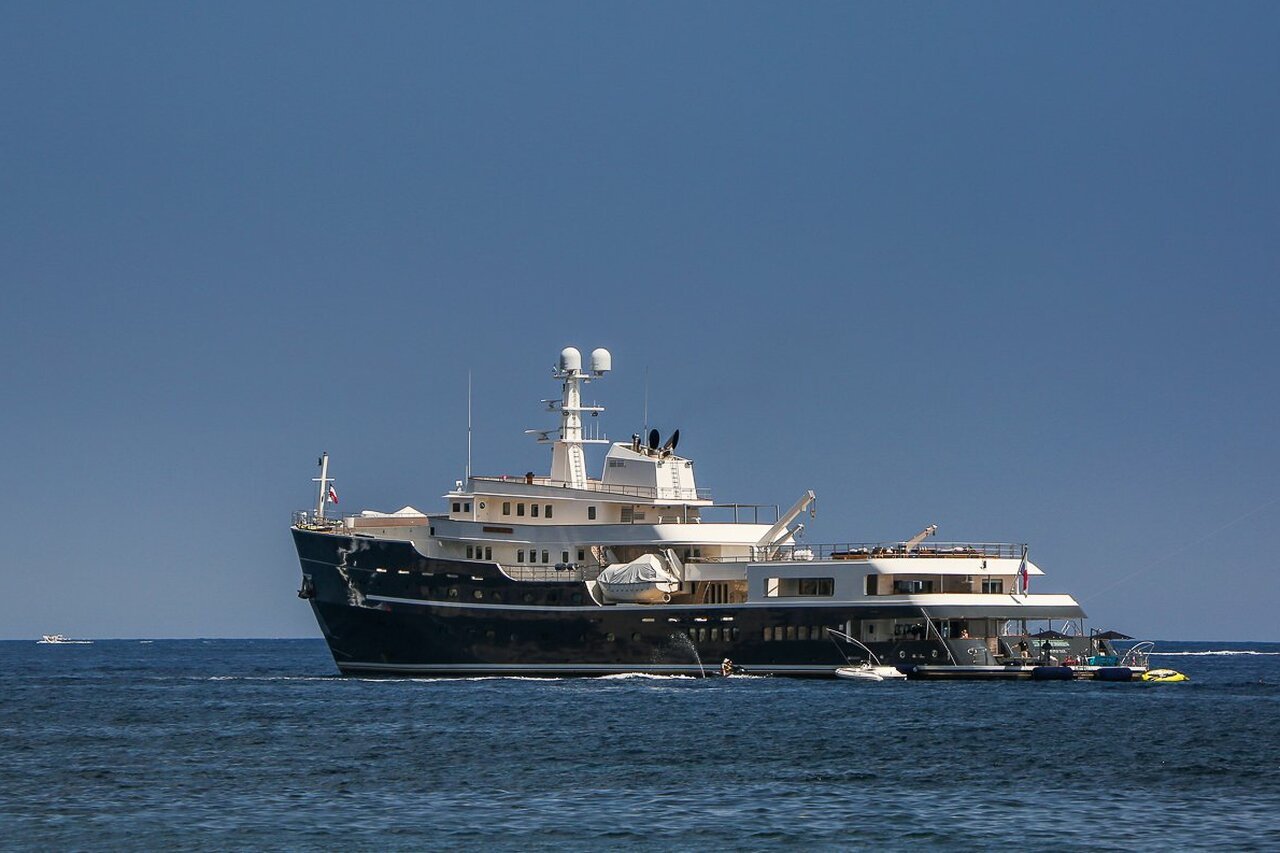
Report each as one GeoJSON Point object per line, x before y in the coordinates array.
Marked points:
{"type": "Point", "coordinates": [332, 497]}
{"type": "Point", "coordinates": [1023, 575]}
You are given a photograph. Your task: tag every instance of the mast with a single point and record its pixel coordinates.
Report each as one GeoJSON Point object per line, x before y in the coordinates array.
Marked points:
{"type": "Point", "coordinates": [322, 496]}
{"type": "Point", "coordinates": [568, 461]}
{"type": "Point", "coordinates": [468, 480]}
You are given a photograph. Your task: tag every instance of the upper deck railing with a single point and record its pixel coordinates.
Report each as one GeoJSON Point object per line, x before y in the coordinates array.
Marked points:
{"type": "Point", "coordinates": [890, 550]}
{"type": "Point", "coordinates": [650, 492]}
{"type": "Point", "coordinates": [308, 520]}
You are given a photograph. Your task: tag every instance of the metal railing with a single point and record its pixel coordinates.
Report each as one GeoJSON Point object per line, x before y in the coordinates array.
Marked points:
{"type": "Point", "coordinates": [308, 520]}
{"type": "Point", "coordinates": [650, 492]}
{"type": "Point", "coordinates": [888, 550]}
{"type": "Point", "coordinates": [551, 573]}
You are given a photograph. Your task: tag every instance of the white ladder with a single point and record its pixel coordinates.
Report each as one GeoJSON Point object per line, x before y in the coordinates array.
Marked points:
{"type": "Point", "coordinates": [577, 468]}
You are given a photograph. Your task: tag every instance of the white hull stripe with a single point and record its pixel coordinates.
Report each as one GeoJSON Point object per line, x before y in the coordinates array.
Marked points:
{"type": "Point", "coordinates": [652, 608]}
{"type": "Point", "coordinates": [971, 611]}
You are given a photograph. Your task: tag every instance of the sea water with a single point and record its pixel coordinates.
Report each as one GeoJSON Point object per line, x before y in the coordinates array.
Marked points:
{"type": "Point", "coordinates": [250, 744]}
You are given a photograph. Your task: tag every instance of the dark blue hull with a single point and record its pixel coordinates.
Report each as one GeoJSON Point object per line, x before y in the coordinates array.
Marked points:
{"type": "Point", "coordinates": [384, 608]}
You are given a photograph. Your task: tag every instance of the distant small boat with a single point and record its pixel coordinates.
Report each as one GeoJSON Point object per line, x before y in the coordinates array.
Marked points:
{"type": "Point", "coordinates": [62, 640]}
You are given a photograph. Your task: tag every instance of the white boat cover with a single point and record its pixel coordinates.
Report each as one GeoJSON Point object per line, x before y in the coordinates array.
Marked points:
{"type": "Point", "coordinates": [400, 513]}
{"type": "Point", "coordinates": [647, 568]}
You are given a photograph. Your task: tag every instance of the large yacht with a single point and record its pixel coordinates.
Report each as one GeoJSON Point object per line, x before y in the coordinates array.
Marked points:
{"type": "Point", "coordinates": [639, 570]}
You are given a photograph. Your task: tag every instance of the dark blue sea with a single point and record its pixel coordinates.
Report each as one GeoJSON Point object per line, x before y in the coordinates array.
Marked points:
{"type": "Point", "coordinates": [251, 744]}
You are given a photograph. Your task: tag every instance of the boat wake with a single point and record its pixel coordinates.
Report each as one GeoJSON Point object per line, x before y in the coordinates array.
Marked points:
{"type": "Point", "coordinates": [620, 676]}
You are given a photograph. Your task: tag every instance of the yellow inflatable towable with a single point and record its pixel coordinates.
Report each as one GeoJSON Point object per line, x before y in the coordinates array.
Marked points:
{"type": "Point", "coordinates": [1164, 676]}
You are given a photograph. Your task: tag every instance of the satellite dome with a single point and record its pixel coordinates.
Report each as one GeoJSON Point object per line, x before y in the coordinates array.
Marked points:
{"type": "Point", "coordinates": [601, 361]}
{"type": "Point", "coordinates": [570, 359]}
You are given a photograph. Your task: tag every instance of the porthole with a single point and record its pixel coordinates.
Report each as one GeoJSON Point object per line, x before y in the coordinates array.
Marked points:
{"type": "Point", "coordinates": [478, 594]}
{"type": "Point", "coordinates": [453, 592]}
{"type": "Point", "coordinates": [528, 598]}
{"type": "Point", "coordinates": [481, 504]}
{"type": "Point", "coordinates": [609, 637]}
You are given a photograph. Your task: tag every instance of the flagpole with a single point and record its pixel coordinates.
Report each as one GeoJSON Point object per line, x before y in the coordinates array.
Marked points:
{"type": "Point", "coordinates": [324, 485]}
{"type": "Point", "coordinates": [468, 427]}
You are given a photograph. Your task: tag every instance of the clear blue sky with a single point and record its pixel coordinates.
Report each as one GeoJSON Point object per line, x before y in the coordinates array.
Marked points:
{"type": "Point", "coordinates": [1010, 268]}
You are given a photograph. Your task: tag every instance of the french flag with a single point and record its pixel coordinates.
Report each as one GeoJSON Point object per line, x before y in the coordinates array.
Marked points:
{"type": "Point", "coordinates": [1022, 572]}
{"type": "Point", "coordinates": [332, 497]}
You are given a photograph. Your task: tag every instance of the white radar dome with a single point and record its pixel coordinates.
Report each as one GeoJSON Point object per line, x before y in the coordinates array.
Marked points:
{"type": "Point", "coordinates": [570, 359]}
{"type": "Point", "coordinates": [601, 361]}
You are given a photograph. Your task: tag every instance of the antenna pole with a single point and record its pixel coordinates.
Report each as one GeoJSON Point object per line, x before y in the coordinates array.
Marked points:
{"type": "Point", "coordinates": [324, 485]}
{"type": "Point", "coordinates": [646, 401]}
{"type": "Point", "coordinates": [468, 426]}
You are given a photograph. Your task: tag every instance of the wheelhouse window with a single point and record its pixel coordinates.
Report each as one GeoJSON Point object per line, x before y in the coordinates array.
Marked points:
{"type": "Point", "coordinates": [993, 585]}
{"type": "Point", "coordinates": [533, 510]}
{"type": "Point", "coordinates": [795, 587]}
{"type": "Point", "coordinates": [912, 587]}
{"type": "Point", "coordinates": [470, 551]}
{"type": "Point", "coordinates": [520, 556]}
{"type": "Point", "coordinates": [872, 584]}
{"type": "Point", "coordinates": [488, 552]}
{"type": "Point", "coordinates": [457, 506]}
{"type": "Point", "coordinates": [591, 513]}
{"type": "Point", "coordinates": [506, 507]}
{"type": "Point", "coordinates": [546, 557]}
{"type": "Point", "coordinates": [548, 510]}
{"type": "Point", "coordinates": [519, 509]}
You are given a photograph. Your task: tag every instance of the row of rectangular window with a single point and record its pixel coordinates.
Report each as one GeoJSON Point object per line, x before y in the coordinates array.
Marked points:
{"type": "Point", "coordinates": [459, 506]}
{"type": "Point", "coordinates": [547, 510]}
{"type": "Point", "coordinates": [990, 586]}
{"type": "Point", "coordinates": [789, 587]}
{"type": "Point", "coordinates": [546, 556]}
{"type": "Point", "coordinates": [701, 635]}
{"type": "Point", "coordinates": [477, 552]}
{"type": "Point", "coordinates": [795, 632]}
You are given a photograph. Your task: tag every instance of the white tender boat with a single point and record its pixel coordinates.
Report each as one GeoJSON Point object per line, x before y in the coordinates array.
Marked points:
{"type": "Point", "coordinates": [869, 670]}
{"type": "Point", "coordinates": [644, 580]}
{"type": "Point", "coordinates": [62, 640]}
